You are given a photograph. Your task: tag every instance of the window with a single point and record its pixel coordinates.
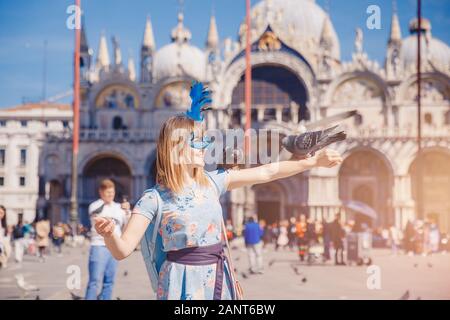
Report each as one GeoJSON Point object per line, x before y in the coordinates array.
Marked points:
{"type": "Point", "coordinates": [65, 123]}
{"type": "Point", "coordinates": [2, 123]}
{"type": "Point", "coordinates": [2, 181]}
{"type": "Point", "coordinates": [447, 118]}
{"type": "Point", "coordinates": [22, 181]}
{"type": "Point", "coordinates": [428, 118]}
{"type": "Point", "coordinates": [23, 123]}
{"type": "Point", "coordinates": [23, 157]}
{"type": "Point", "coordinates": [2, 157]}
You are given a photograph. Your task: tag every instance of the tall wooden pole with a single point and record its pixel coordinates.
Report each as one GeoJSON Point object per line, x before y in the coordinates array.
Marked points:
{"type": "Point", "coordinates": [76, 123]}
{"type": "Point", "coordinates": [419, 170]}
{"type": "Point", "coordinates": [248, 86]}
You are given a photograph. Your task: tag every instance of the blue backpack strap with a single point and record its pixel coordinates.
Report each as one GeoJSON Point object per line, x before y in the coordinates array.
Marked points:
{"type": "Point", "coordinates": [213, 181]}
{"type": "Point", "coordinates": [151, 244]}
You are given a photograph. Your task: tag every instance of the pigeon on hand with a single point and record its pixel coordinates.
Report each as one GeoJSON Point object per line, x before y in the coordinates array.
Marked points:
{"type": "Point", "coordinates": [24, 286]}
{"type": "Point", "coordinates": [308, 143]}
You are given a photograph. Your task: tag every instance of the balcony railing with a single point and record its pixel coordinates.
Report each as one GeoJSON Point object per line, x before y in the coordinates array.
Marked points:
{"type": "Point", "coordinates": [367, 132]}
{"type": "Point", "coordinates": [105, 135]}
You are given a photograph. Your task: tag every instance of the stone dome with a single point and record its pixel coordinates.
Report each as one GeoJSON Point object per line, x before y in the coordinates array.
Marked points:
{"type": "Point", "coordinates": [179, 58]}
{"type": "Point", "coordinates": [299, 23]}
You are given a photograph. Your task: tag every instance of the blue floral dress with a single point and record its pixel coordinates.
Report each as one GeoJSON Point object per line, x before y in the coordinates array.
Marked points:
{"type": "Point", "coordinates": [189, 219]}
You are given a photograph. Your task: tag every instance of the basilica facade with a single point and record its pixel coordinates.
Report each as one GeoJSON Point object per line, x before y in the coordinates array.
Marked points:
{"type": "Point", "coordinates": [297, 77]}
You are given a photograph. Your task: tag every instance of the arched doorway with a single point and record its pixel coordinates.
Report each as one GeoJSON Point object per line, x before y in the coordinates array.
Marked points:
{"type": "Point", "coordinates": [269, 202]}
{"type": "Point", "coordinates": [435, 187]}
{"type": "Point", "coordinates": [364, 176]}
{"type": "Point", "coordinates": [106, 167]}
{"type": "Point", "coordinates": [272, 86]}
{"type": "Point", "coordinates": [363, 193]}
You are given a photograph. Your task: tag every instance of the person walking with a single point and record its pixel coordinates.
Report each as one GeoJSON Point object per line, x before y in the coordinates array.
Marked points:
{"type": "Point", "coordinates": [252, 235]}
{"type": "Point", "coordinates": [42, 236]}
{"type": "Point", "coordinates": [102, 265]}
{"type": "Point", "coordinates": [326, 240]}
{"type": "Point", "coordinates": [292, 233]}
{"type": "Point", "coordinates": [19, 240]}
{"type": "Point", "coordinates": [338, 234]}
{"type": "Point", "coordinates": [5, 244]}
{"type": "Point", "coordinates": [409, 238]}
{"type": "Point", "coordinates": [301, 237]}
{"type": "Point", "coordinates": [58, 237]}
{"type": "Point", "coordinates": [283, 239]}
{"type": "Point", "coordinates": [394, 239]}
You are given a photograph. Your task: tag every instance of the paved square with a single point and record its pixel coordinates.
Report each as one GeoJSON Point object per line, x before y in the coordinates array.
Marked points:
{"type": "Point", "coordinates": [284, 277]}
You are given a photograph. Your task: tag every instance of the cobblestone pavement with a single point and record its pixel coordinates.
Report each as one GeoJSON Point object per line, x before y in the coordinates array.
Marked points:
{"type": "Point", "coordinates": [284, 277]}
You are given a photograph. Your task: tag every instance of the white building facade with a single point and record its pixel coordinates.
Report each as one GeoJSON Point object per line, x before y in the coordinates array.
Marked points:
{"type": "Point", "coordinates": [298, 77]}
{"type": "Point", "coordinates": [23, 130]}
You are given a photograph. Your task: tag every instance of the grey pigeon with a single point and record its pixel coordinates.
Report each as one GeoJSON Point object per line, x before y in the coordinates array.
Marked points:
{"type": "Point", "coordinates": [75, 297]}
{"type": "Point", "coordinates": [24, 287]}
{"type": "Point", "coordinates": [405, 296]}
{"type": "Point", "coordinates": [309, 143]}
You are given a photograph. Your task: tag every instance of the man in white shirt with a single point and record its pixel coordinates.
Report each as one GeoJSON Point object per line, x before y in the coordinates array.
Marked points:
{"type": "Point", "coordinates": [102, 265]}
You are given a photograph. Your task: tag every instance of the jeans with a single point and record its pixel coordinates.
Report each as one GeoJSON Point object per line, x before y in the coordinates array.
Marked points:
{"type": "Point", "coordinates": [255, 256]}
{"type": "Point", "coordinates": [102, 271]}
{"type": "Point", "coordinates": [339, 251]}
{"type": "Point", "coordinates": [20, 246]}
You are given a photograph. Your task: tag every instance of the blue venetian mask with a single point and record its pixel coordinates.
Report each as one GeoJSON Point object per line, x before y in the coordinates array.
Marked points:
{"type": "Point", "coordinates": [200, 143]}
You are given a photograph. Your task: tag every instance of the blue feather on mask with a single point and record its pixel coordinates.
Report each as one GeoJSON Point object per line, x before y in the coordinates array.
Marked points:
{"type": "Point", "coordinates": [201, 98]}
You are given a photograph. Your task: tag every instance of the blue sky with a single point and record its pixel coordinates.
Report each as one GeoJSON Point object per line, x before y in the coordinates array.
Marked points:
{"type": "Point", "coordinates": [26, 24]}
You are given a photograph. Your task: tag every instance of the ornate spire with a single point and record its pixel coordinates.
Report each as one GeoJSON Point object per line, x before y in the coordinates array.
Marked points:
{"type": "Point", "coordinates": [131, 69]}
{"type": "Point", "coordinates": [213, 36]}
{"type": "Point", "coordinates": [149, 40]}
{"type": "Point", "coordinates": [396, 34]}
{"type": "Point", "coordinates": [326, 36]}
{"type": "Point", "coordinates": [103, 55]}
{"type": "Point", "coordinates": [117, 52]}
{"type": "Point", "coordinates": [359, 41]}
{"type": "Point", "coordinates": [84, 47]}
{"type": "Point", "coordinates": [180, 34]}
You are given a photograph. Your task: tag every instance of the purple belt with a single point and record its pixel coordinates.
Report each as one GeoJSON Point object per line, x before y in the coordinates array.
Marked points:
{"type": "Point", "coordinates": [200, 256]}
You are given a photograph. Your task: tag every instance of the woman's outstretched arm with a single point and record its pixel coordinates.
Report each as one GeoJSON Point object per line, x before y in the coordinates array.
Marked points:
{"type": "Point", "coordinates": [278, 170]}
{"type": "Point", "coordinates": [121, 247]}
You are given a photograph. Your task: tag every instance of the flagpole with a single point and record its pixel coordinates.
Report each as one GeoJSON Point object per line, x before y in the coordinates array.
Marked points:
{"type": "Point", "coordinates": [248, 86]}
{"type": "Point", "coordinates": [419, 115]}
{"type": "Point", "coordinates": [76, 122]}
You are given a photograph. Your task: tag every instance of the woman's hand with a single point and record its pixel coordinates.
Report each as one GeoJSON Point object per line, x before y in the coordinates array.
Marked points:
{"type": "Point", "coordinates": [104, 226]}
{"type": "Point", "coordinates": [327, 158]}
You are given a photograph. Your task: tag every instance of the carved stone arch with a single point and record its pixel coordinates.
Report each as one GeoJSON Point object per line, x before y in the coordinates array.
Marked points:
{"type": "Point", "coordinates": [434, 186]}
{"type": "Point", "coordinates": [106, 152]}
{"type": "Point", "coordinates": [99, 87]}
{"type": "Point", "coordinates": [106, 165]}
{"type": "Point", "coordinates": [350, 76]}
{"type": "Point", "coordinates": [234, 72]}
{"type": "Point", "coordinates": [390, 164]}
{"type": "Point", "coordinates": [175, 84]}
{"type": "Point", "coordinates": [439, 78]}
{"type": "Point", "coordinates": [270, 200]}
{"type": "Point", "coordinates": [411, 157]}
{"type": "Point", "coordinates": [366, 176]}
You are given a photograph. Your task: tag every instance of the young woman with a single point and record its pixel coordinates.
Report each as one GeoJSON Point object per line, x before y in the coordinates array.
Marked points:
{"type": "Point", "coordinates": [191, 211]}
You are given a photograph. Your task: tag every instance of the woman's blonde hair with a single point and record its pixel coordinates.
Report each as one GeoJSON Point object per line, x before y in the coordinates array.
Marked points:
{"type": "Point", "coordinates": [173, 142]}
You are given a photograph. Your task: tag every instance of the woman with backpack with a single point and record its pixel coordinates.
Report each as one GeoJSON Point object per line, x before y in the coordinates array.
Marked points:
{"type": "Point", "coordinates": [187, 197]}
